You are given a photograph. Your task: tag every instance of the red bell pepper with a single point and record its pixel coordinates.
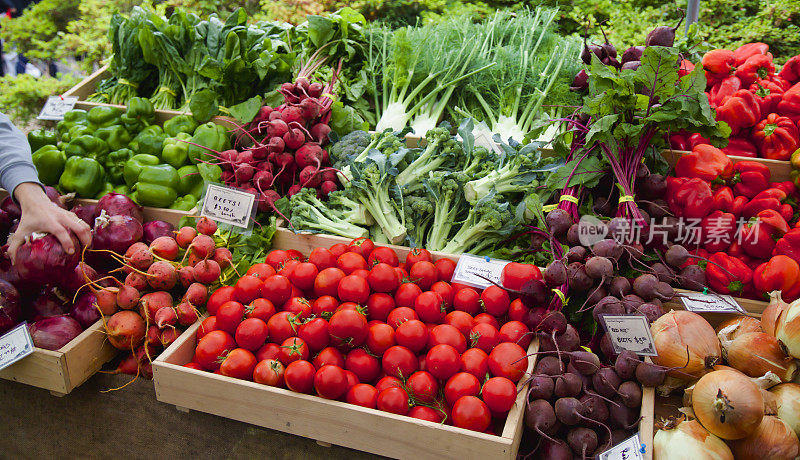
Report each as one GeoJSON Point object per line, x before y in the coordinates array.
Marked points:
{"type": "Point", "coordinates": [789, 245]}
{"type": "Point", "coordinates": [689, 198]}
{"type": "Point", "coordinates": [740, 111]}
{"type": "Point", "coordinates": [755, 67]}
{"type": "Point", "coordinates": [788, 187]}
{"type": "Point", "coordinates": [759, 236]}
{"type": "Point", "coordinates": [772, 192]}
{"type": "Point", "coordinates": [738, 205]}
{"type": "Point", "coordinates": [726, 274]}
{"type": "Point", "coordinates": [723, 199]}
{"type": "Point", "coordinates": [780, 273]}
{"type": "Point", "coordinates": [747, 50]}
{"type": "Point", "coordinates": [718, 231]}
{"type": "Point", "coordinates": [718, 64]}
{"type": "Point", "coordinates": [783, 84]}
{"type": "Point", "coordinates": [791, 70]}
{"type": "Point", "coordinates": [705, 162]}
{"type": "Point", "coordinates": [724, 89]}
{"type": "Point", "coordinates": [769, 94]}
{"type": "Point", "coordinates": [790, 103]}
{"type": "Point", "coordinates": [776, 137]}
{"type": "Point", "coordinates": [740, 147]}
{"type": "Point", "coordinates": [685, 68]}
{"type": "Point", "coordinates": [787, 212]}
{"type": "Point", "coordinates": [696, 139]}
{"type": "Point", "coordinates": [755, 206]}
{"type": "Point", "coordinates": [752, 178]}
{"type": "Point", "coordinates": [679, 141]}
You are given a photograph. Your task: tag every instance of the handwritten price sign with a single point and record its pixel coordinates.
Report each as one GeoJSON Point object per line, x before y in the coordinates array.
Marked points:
{"type": "Point", "coordinates": [15, 345]}
{"type": "Point", "coordinates": [56, 107]}
{"type": "Point", "coordinates": [229, 205]}
{"type": "Point", "coordinates": [474, 271]}
{"type": "Point", "coordinates": [630, 333]}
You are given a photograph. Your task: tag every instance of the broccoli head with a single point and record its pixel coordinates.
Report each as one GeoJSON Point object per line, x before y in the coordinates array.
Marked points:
{"type": "Point", "coordinates": [310, 214]}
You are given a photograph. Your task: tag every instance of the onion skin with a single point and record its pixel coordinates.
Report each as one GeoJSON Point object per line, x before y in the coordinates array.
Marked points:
{"type": "Point", "coordinates": [676, 330]}
{"type": "Point", "coordinates": [54, 332]}
{"type": "Point", "coordinates": [788, 402]}
{"type": "Point", "coordinates": [734, 327]}
{"type": "Point", "coordinates": [728, 404]}
{"type": "Point", "coordinates": [689, 440]}
{"type": "Point", "coordinates": [770, 314]}
{"type": "Point", "coordinates": [773, 439]}
{"type": "Point", "coordinates": [787, 328]}
{"type": "Point", "coordinates": [756, 353]}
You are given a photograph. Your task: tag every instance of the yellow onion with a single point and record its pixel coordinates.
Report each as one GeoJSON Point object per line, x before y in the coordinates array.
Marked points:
{"type": "Point", "coordinates": [685, 342]}
{"type": "Point", "coordinates": [770, 314]}
{"type": "Point", "coordinates": [756, 353]}
{"type": "Point", "coordinates": [688, 439]}
{"type": "Point", "coordinates": [788, 402]}
{"type": "Point", "coordinates": [736, 326]}
{"type": "Point", "coordinates": [773, 440]}
{"type": "Point", "coordinates": [728, 404]}
{"type": "Point", "coordinates": [787, 328]}
{"type": "Point", "coordinates": [770, 402]}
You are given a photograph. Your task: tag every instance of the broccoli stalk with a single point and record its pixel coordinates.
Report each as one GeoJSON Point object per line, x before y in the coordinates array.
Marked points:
{"type": "Point", "coordinates": [309, 213]}
{"type": "Point", "coordinates": [446, 191]}
{"type": "Point", "coordinates": [440, 148]}
{"type": "Point", "coordinates": [370, 186]}
{"type": "Point", "coordinates": [348, 209]}
{"type": "Point", "coordinates": [514, 173]}
{"type": "Point", "coordinates": [488, 218]}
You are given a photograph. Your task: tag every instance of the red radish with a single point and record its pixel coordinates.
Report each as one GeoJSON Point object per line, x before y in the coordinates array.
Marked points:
{"type": "Point", "coordinates": [152, 302]}
{"type": "Point", "coordinates": [227, 177]}
{"type": "Point", "coordinates": [162, 276]}
{"type": "Point", "coordinates": [165, 247]}
{"type": "Point", "coordinates": [203, 246]}
{"type": "Point", "coordinates": [186, 276]}
{"type": "Point", "coordinates": [328, 174]}
{"type": "Point", "coordinates": [168, 336]}
{"type": "Point", "coordinates": [319, 133]}
{"type": "Point", "coordinates": [185, 236]}
{"type": "Point", "coordinates": [138, 256]}
{"type": "Point", "coordinates": [293, 190]}
{"type": "Point", "coordinates": [115, 233]}
{"type": "Point", "coordinates": [309, 154]}
{"type": "Point", "coordinates": [206, 226]}
{"type": "Point", "coordinates": [223, 256]}
{"type": "Point", "coordinates": [152, 336]}
{"type": "Point", "coordinates": [263, 113]}
{"type": "Point", "coordinates": [275, 115]}
{"type": "Point", "coordinates": [106, 300]}
{"type": "Point", "coordinates": [244, 173]}
{"type": "Point", "coordinates": [42, 259]}
{"type": "Point", "coordinates": [308, 177]}
{"type": "Point", "coordinates": [315, 89]}
{"type": "Point", "coordinates": [196, 294]}
{"type": "Point", "coordinates": [229, 156]}
{"type": "Point", "coordinates": [166, 316]}
{"type": "Point", "coordinates": [186, 314]}
{"type": "Point", "coordinates": [83, 309]}
{"type": "Point", "coordinates": [277, 128]}
{"type": "Point", "coordinates": [260, 152]}
{"type": "Point", "coordinates": [127, 297]}
{"type": "Point", "coordinates": [245, 156]}
{"type": "Point", "coordinates": [310, 108]}
{"type": "Point", "coordinates": [294, 138]}
{"type": "Point", "coordinates": [53, 333]}
{"type": "Point", "coordinates": [276, 145]}
{"type": "Point", "coordinates": [206, 272]}
{"type": "Point", "coordinates": [117, 204]}
{"type": "Point", "coordinates": [136, 281]}
{"type": "Point", "coordinates": [295, 114]}
{"type": "Point", "coordinates": [263, 179]}
{"type": "Point", "coordinates": [156, 228]}
{"type": "Point", "coordinates": [125, 330]}
{"type": "Point", "coordinates": [328, 187]}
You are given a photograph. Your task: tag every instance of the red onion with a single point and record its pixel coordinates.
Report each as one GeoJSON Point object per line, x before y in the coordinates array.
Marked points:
{"type": "Point", "coordinates": [84, 309]}
{"type": "Point", "coordinates": [50, 302]}
{"type": "Point", "coordinates": [115, 233]}
{"type": "Point", "coordinates": [53, 333]}
{"type": "Point", "coordinates": [117, 204]}
{"type": "Point", "coordinates": [41, 259]}
{"type": "Point", "coordinates": [77, 278]}
{"type": "Point", "coordinates": [155, 229]}
{"type": "Point", "coordinates": [11, 207]}
{"type": "Point", "coordinates": [85, 212]}
{"type": "Point", "coordinates": [5, 222]}
{"type": "Point", "coordinates": [9, 306]}
{"type": "Point", "coordinates": [54, 196]}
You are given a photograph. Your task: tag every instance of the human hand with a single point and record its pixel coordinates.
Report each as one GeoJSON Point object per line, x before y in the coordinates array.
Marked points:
{"type": "Point", "coordinates": [39, 214]}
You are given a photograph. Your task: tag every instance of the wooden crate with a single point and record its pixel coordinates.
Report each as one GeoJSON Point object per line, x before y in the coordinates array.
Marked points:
{"type": "Point", "coordinates": [781, 170]}
{"type": "Point", "coordinates": [61, 371]}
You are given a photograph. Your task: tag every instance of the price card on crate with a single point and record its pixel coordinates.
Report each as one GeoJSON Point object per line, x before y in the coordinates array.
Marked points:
{"type": "Point", "coordinates": [698, 302]}
{"type": "Point", "coordinates": [478, 272]}
{"type": "Point", "coordinates": [630, 333]}
{"type": "Point", "coordinates": [229, 206]}
{"type": "Point", "coordinates": [15, 345]}
{"type": "Point", "coordinates": [56, 107]}
{"type": "Point", "coordinates": [629, 449]}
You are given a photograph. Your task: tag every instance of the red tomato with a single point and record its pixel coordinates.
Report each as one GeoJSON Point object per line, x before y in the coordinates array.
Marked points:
{"type": "Point", "coordinates": [276, 257]}
{"type": "Point", "coordinates": [314, 332]}
{"type": "Point", "coordinates": [394, 400]}
{"type": "Point", "coordinates": [351, 261]}
{"type": "Point", "coordinates": [219, 297]}
{"type": "Point", "coordinates": [508, 360]}
{"type": "Point", "coordinates": [261, 270]}
{"type": "Point", "coordinates": [324, 306]}
{"type": "Point", "coordinates": [365, 366]}
{"type": "Point", "coordinates": [239, 364]}
{"type": "Point", "coordinates": [338, 249]}
{"type": "Point", "coordinates": [294, 254]}
{"type": "Point", "coordinates": [329, 355]}
{"type": "Point", "coordinates": [417, 255]}
{"type": "Point", "coordinates": [423, 273]}
{"type": "Point", "coordinates": [348, 328]}
{"type": "Point", "coordinates": [209, 324]}
{"type": "Point", "coordinates": [293, 349]}
{"type": "Point", "coordinates": [379, 305]}
{"type": "Point", "coordinates": [268, 351]}
{"type": "Point", "coordinates": [351, 306]}
{"type": "Point", "coordinates": [295, 293]}
{"type": "Point", "coordinates": [277, 289]}
{"type": "Point", "coordinates": [515, 275]}
{"type": "Point", "coordinates": [476, 362]}
{"type": "Point", "coordinates": [399, 361]}
{"type": "Point", "coordinates": [299, 376]}
{"type": "Point", "coordinates": [353, 289]}
{"type": "Point", "coordinates": [212, 348]}
{"type": "Point", "coordinates": [445, 269]}
{"type": "Point", "coordinates": [323, 258]}
{"type": "Point", "coordinates": [287, 267]}
{"type": "Point", "coordinates": [388, 382]}
{"type": "Point", "coordinates": [193, 365]}
{"type": "Point", "coordinates": [327, 282]}
{"type": "Point", "coordinates": [361, 246]}
{"type": "Point", "coordinates": [443, 361]}
{"type": "Point", "coordinates": [426, 413]}
{"type": "Point", "coordinates": [383, 278]}
{"type": "Point", "coordinates": [352, 379]}
{"type": "Point", "coordinates": [251, 334]}
{"type": "Point", "coordinates": [364, 395]}
{"type": "Point", "coordinates": [461, 384]}
{"type": "Point", "coordinates": [467, 300]}
{"type": "Point", "coordinates": [380, 337]}
{"type": "Point", "coordinates": [460, 320]}
{"type": "Point", "coordinates": [516, 332]}
{"type": "Point", "coordinates": [445, 291]}
{"type": "Point", "coordinates": [445, 333]}
{"type": "Point", "coordinates": [495, 301]}
{"type": "Point", "coordinates": [407, 294]}
{"type": "Point", "coordinates": [400, 315]}
{"type": "Point", "coordinates": [299, 307]}
{"type": "Point", "coordinates": [471, 413]}
{"type": "Point", "coordinates": [247, 289]}
{"type": "Point", "coordinates": [303, 276]}
{"type": "Point", "coordinates": [262, 309]}
{"type": "Point", "coordinates": [499, 394]}
{"type": "Point", "coordinates": [488, 319]}
{"type": "Point", "coordinates": [517, 311]}
{"type": "Point", "coordinates": [229, 315]}
{"type": "Point", "coordinates": [385, 255]}
{"type": "Point", "coordinates": [412, 334]}
{"type": "Point", "coordinates": [330, 382]}
{"type": "Point", "coordinates": [269, 372]}
{"type": "Point", "coordinates": [423, 386]}
{"type": "Point", "coordinates": [430, 307]}
{"type": "Point", "coordinates": [484, 336]}
{"type": "Point", "coordinates": [360, 273]}
{"type": "Point", "coordinates": [402, 274]}
{"type": "Point", "coordinates": [282, 325]}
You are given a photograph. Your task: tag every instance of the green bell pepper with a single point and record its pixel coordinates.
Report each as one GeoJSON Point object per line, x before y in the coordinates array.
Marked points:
{"type": "Point", "coordinates": [180, 124]}
{"type": "Point", "coordinates": [149, 141]}
{"type": "Point", "coordinates": [215, 137]}
{"type": "Point", "coordinates": [157, 186]}
{"type": "Point", "coordinates": [116, 136]}
{"type": "Point", "coordinates": [84, 176]}
{"type": "Point", "coordinates": [122, 189]}
{"type": "Point", "coordinates": [192, 182]}
{"type": "Point", "coordinates": [130, 173]}
{"type": "Point", "coordinates": [107, 188]}
{"type": "Point", "coordinates": [185, 203]}
{"type": "Point", "coordinates": [49, 162]}
{"type": "Point", "coordinates": [77, 131]}
{"type": "Point", "coordinates": [71, 118]}
{"type": "Point", "coordinates": [175, 152]}
{"type": "Point", "coordinates": [139, 115]}
{"type": "Point", "coordinates": [88, 146]}
{"type": "Point", "coordinates": [102, 116]}
{"type": "Point", "coordinates": [38, 138]}
{"type": "Point", "coordinates": [115, 164]}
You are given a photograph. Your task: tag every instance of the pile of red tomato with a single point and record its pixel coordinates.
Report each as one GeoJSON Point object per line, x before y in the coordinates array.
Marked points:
{"type": "Point", "coordinates": [354, 324]}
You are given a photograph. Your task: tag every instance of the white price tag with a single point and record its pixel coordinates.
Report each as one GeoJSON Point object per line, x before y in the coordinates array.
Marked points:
{"type": "Point", "coordinates": [711, 303]}
{"type": "Point", "coordinates": [629, 449]}
{"type": "Point", "coordinates": [484, 140]}
{"type": "Point", "coordinates": [630, 333]}
{"type": "Point", "coordinates": [228, 205]}
{"type": "Point", "coordinates": [469, 267]}
{"type": "Point", "coordinates": [15, 345]}
{"type": "Point", "coordinates": [56, 107]}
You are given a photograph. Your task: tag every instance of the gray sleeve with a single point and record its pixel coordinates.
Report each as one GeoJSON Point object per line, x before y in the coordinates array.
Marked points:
{"type": "Point", "coordinates": [16, 165]}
